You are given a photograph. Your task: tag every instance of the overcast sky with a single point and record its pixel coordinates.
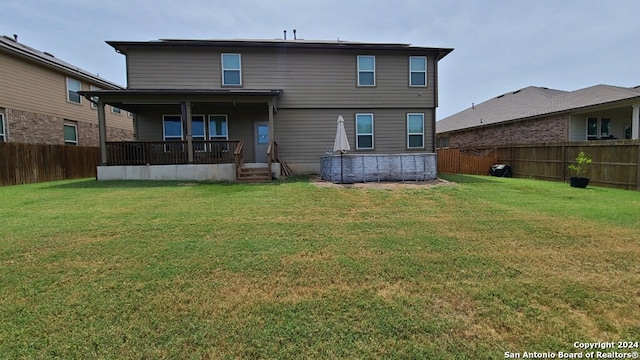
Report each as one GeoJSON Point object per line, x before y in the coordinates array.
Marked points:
{"type": "Point", "coordinates": [500, 45]}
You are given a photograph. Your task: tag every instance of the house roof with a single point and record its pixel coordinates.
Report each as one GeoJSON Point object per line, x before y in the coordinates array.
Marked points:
{"type": "Point", "coordinates": [532, 102]}
{"type": "Point", "coordinates": [133, 99]}
{"type": "Point", "coordinates": [46, 59]}
{"type": "Point", "coordinates": [123, 46]}
{"type": "Point", "coordinates": [234, 92]}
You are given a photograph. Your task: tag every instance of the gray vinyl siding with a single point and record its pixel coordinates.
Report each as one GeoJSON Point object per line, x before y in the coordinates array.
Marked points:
{"type": "Point", "coordinates": [240, 119]}
{"type": "Point", "coordinates": [304, 135]}
{"type": "Point", "coordinates": [26, 86]}
{"type": "Point", "coordinates": [577, 128]}
{"type": "Point", "coordinates": [309, 78]}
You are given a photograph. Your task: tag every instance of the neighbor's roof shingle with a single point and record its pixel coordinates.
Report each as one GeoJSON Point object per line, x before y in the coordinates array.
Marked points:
{"type": "Point", "coordinates": [531, 102]}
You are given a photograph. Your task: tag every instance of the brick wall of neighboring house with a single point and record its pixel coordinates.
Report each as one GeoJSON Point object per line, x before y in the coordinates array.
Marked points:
{"type": "Point", "coordinates": [35, 128]}
{"type": "Point", "coordinates": [540, 130]}
{"type": "Point", "coordinates": [88, 134]}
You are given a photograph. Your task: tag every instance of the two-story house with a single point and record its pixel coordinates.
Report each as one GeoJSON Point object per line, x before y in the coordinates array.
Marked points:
{"type": "Point", "coordinates": [40, 103]}
{"type": "Point", "coordinates": [207, 109]}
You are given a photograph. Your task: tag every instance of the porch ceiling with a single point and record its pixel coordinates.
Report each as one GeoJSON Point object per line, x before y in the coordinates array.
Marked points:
{"type": "Point", "coordinates": [133, 100]}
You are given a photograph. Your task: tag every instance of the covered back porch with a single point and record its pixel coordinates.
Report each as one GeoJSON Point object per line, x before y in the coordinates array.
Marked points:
{"type": "Point", "coordinates": [208, 128]}
{"type": "Point", "coordinates": [621, 122]}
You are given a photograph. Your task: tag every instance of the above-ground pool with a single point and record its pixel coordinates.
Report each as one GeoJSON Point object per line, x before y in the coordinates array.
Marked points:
{"type": "Point", "coordinates": [352, 168]}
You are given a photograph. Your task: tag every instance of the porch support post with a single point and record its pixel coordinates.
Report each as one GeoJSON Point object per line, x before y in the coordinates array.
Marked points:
{"type": "Point", "coordinates": [635, 122]}
{"type": "Point", "coordinates": [271, 132]}
{"type": "Point", "coordinates": [102, 133]}
{"type": "Point", "coordinates": [187, 114]}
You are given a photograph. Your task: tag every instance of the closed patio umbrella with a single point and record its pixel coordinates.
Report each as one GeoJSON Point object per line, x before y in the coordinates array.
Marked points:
{"type": "Point", "coordinates": [341, 144]}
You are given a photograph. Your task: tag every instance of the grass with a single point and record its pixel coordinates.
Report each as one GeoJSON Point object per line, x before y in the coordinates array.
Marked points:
{"type": "Point", "coordinates": [287, 270]}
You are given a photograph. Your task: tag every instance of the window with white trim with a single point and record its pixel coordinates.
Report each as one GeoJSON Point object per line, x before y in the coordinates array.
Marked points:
{"type": "Point", "coordinates": [172, 127]}
{"type": "Point", "coordinates": [415, 130]}
{"type": "Point", "coordinates": [417, 71]}
{"type": "Point", "coordinates": [73, 86]}
{"type": "Point", "coordinates": [3, 134]}
{"type": "Point", "coordinates": [366, 70]}
{"type": "Point", "coordinates": [70, 134]}
{"type": "Point", "coordinates": [231, 69]}
{"type": "Point", "coordinates": [94, 99]}
{"type": "Point", "coordinates": [116, 110]}
{"type": "Point", "coordinates": [598, 128]}
{"type": "Point", "coordinates": [364, 131]}
{"type": "Point", "coordinates": [172, 131]}
{"type": "Point", "coordinates": [218, 127]}
{"type": "Point", "coordinates": [198, 132]}
{"type": "Point", "coordinates": [442, 142]}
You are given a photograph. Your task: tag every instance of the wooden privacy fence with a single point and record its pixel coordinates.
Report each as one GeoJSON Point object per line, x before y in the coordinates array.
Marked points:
{"type": "Point", "coordinates": [459, 161]}
{"type": "Point", "coordinates": [32, 163]}
{"type": "Point", "coordinates": [615, 163]}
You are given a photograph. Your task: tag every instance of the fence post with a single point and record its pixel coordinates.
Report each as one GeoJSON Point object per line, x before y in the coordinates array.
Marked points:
{"type": "Point", "coordinates": [513, 160]}
{"type": "Point", "coordinates": [564, 165]}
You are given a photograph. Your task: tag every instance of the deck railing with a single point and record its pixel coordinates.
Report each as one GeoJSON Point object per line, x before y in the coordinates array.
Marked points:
{"type": "Point", "coordinates": [171, 152]}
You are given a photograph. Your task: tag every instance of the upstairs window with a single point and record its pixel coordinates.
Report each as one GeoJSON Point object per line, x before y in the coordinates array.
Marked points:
{"type": "Point", "coordinates": [172, 127]}
{"type": "Point", "coordinates": [3, 135]}
{"type": "Point", "coordinates": [116, 110]}
{"type": "Point", "coordinates": [73, 86]}
{"type": "Point", "coordinates": [417, 71]}
{"type": "Point", "coordinates": [364, 131]}
{"type": "Point", "coordinates": [366, 70]}
{"type": "Point", "coordinates": [70, 134]}
{"type": "Point", "coordinates": [415, 131]}
{"type": "Point", "coordinates": [94, 99]}
{"type": "Point", "coordinates": [231, 69]}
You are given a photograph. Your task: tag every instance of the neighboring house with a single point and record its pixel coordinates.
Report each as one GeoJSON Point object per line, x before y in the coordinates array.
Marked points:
{"type": "Point", "coordinates": [541, 115]}
{"type": "Point", "coordinates": [205, 102]}
{"type": "Point", "coordinates": [39, 100]}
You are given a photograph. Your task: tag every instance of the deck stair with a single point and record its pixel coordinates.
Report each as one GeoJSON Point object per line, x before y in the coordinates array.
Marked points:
{"type": "Point", "coordinates": [254, 174]}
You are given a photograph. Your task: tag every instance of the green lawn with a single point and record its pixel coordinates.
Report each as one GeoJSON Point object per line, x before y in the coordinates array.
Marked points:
{"type": "Point", "coordinates": [289, 270]}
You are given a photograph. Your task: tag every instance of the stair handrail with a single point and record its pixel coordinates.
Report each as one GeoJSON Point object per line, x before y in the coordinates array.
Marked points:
{"type": "Point", "coordinates": [272, 154]}
{"type": "Point", "coordinates": [238, 157]}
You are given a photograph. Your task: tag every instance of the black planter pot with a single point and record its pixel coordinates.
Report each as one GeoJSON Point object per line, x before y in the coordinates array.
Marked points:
{"type": "Point", "coordinates": [578, 182]}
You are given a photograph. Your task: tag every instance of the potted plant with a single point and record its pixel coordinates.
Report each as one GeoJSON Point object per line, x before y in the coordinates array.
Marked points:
{"type": "Point", "coordinates": [583, 162]}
